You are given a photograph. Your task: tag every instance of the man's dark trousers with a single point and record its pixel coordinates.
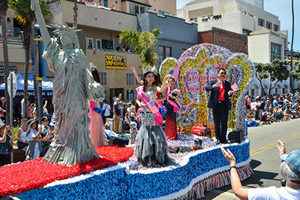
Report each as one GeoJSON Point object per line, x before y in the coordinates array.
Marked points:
{"type": "Point", "coordinates": [220, 114]}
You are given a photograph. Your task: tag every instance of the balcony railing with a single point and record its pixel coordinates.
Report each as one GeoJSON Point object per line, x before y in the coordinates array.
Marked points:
{"type": "Point", "coordinates": [98, 17]}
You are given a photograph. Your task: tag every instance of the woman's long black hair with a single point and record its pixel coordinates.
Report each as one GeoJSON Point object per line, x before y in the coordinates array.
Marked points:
{"type": "Point", "coordinates": [95, 74]}
{"type": "Point", "coordinates": [157, 81]}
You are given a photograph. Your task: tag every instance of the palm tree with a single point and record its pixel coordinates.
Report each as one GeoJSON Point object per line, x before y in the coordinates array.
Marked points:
{"type": "Point", "coordinates": [143, 44]}
{"type": "Point", "coordinates": [3, 11]}
{"type": "Point", "coordinates": [25, 16]}
{"type": "Point", "coordinates": [292, 44]}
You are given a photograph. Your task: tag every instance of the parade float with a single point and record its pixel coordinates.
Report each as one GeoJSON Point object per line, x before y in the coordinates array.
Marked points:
{"type": "Point", "coordinates": [73, 169]}
{"type": "Point", "coordinates": [116, 174]}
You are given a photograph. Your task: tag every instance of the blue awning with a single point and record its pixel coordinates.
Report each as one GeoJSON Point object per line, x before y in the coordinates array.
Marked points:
{"type": "Point", "coordinates": [46, 85]}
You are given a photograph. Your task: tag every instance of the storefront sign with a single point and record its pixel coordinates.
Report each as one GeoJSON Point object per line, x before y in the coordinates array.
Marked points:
{"type": "Point", "coordinates": [115, 62]}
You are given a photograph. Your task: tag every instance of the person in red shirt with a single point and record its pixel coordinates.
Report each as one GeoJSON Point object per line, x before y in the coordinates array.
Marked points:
{"type": "Point", "coordinates": [219, 101]}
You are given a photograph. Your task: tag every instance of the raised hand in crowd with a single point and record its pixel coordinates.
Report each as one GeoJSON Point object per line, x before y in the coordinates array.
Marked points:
{"type": "Point", "coordinates": [281, 147]}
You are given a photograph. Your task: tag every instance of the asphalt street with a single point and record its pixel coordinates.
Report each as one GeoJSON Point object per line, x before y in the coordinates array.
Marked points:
{"type": "Point", "coordinates": [265, 160]}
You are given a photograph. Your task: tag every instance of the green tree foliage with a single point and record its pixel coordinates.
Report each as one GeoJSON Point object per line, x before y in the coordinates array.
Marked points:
{"type": "Point", "coordinates": [296, 71]}
{"type": "Point", "coordinates": [25, 18]}
{"type": "Point", "coordinates": [143, 44]}
{"type": "Point", "coordinates": [23, 10]}
{"type": "Point", "coordinates": [275, 72]}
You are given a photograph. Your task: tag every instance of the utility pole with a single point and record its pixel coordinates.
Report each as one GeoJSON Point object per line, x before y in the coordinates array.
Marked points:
{"type": "Point", "coordinates": [3, 13]}
{"type": "Point", "coordinates": [37, 78]}
{"type": "Point", "coordinates": [75, 14]}
{"type": "Point", "coordinates": [292, 47]}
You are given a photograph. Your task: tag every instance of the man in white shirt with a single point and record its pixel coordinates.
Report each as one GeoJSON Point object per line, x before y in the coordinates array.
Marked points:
{"type": "Point", "coordinates": [290, 170]}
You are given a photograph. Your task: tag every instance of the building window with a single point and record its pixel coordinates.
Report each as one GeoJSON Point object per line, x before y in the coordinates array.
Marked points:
{"type": "Point", "coordinates": [269, 25]}
{"type": "Point", "coordinates": [98, 44]}
{"type": "Point", "coordinates": [130, 95]}
{"type": "Point", "coordinates": [168, 51]}
{"type": "Point", "coordinates": [103, 78]}
{"type": "Point", "coordinates": [164, 52]}
{"type": "Point", "coordinates": [276, 27]}
{"type": "Point", "coordinates": [136, 10]}
{"type": "Point", "coordinates": [90, 43]}
{"type": "Point", "coordinates": [275, 51]}
{"type": "Point", "coordinates": [142, 9]}
{"type": "Point", "coordinates": [104, 3]}
{"type": "Point", "coordinates": [107, 44]}
{"type": "Point", "coordinates": [130, 79]}
{"type": "Point", "coordinates": [161, 53]}
{"type": "Point", "coordinates": [246, 32]}
{"type": "Point", "coordinates": [261, 22]}
{"type": "Point", "coordinates": [131, 9]}
{"type": "Point", "coordinates": [194, 19]}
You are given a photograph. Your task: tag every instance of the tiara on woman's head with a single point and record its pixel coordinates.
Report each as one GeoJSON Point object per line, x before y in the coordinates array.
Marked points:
{"type": "Point", "coordinates": [150, 69]}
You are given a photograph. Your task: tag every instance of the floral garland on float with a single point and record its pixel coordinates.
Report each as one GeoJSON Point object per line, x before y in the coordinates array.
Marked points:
{"type": "Point", "coordinates": [189, 179]}
{"type": "Point", "coordinates": [198, 65]}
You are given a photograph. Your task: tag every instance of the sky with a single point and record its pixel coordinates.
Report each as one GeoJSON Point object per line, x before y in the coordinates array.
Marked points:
{"type": "Point", "coordinates": [281, 8]}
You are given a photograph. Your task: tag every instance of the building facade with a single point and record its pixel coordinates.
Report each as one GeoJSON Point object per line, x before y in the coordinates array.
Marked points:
{"type": "Point", "coordinates": [136, 7]}
{"type": "Point", "coordinates": [233, 41]}
{"type": "Point", "coordinates": [15, 46]}
{"type": "Point", "coordinates": [240, 25]}
{"type": "Point", "coordinates": [100, 23]}
{"type": "Point", "coordinates": [266, 45]}
{"type": "Point", "coordinates": [172, 42]}
{"type": "Point", "coordinates": [239, 16]}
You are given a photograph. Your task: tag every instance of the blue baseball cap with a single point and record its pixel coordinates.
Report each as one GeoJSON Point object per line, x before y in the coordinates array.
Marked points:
{"type": "Point", "coordinates": [293, 162]}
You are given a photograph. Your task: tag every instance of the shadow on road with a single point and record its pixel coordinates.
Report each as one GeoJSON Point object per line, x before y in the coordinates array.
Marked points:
{"type": "Point", "coordinates": [254, 163]}
{"type": "Point", "coordinates": [256, 180]}
{"type": "Point", "coordinates": [258, 176]}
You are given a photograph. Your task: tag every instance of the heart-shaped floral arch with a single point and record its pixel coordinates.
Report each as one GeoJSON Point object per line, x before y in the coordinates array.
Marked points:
{"type": "Point", "coordinates": [194, 68]}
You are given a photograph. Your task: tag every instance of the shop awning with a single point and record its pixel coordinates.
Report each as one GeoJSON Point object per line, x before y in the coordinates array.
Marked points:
{"type": "Point", "coordinates": [46, 85]}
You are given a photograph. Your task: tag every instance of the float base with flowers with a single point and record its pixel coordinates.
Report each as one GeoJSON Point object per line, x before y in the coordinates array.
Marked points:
{"type": "Point", "coordinates": [196, 173]}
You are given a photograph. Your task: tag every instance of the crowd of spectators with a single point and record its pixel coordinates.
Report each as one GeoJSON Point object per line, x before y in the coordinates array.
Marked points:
{"type": "Point", "coordinates": [272, 108]}
{"type": "Point", "coordinates": [31, 135]}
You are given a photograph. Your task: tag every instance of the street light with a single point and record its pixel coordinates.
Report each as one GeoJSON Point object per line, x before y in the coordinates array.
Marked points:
{"type": "Point", "coordinates": [292, 45]}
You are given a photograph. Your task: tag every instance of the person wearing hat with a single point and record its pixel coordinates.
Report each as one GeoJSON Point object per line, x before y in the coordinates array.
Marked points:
{"type": "Point", "coordinates": [33, 137]}
{"type": "Point", "coordinates": [290, 171]}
